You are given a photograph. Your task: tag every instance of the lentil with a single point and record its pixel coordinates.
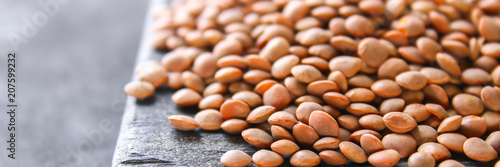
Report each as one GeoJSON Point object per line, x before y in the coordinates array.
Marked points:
{"type": "Point", "coordinates": [477, 149]}
{"type": "Point", "coordinates": [285, 147]}
{"type": "Point", "coordinates": [139, 89]}
{"type": "Point", "coordinates": [421, 159]}
{"type": "Point", "coordinates": [283, 66]}
{"type": "Point", "coordinates": [332, 157]}
{"type": "Point", "coordinates": [423, 134]}
{"type": "Point", "coordinates": [280, 133]}
{"type": "Point", "coordinates": [277, 96]}
{"type": "Point", "coordinates": [283, 119]}
{"type": "Point", "coordinates": [234, 126]}
{"type": "Point", "coordinates": [372, 121]}
{"type": "Point", "coordinates": [209, 119]}
{"type": "Point", "coordinates": [305, 158]}
{"type": "Point", "coordinates": [304, 134]}
{"type": "Point", "coordinates": [252, 99]}
{"type": "Point", "coordinates": [371, 143]}
{"type": "Point", "coordinates": [182, 122]}
{"type": "Point", "coordinates": [404, 144]}
{"type": "Point", "coordinates": [391, 105]}
{"type": "Point", "coordinates": [267, 158]}
{"type": "Point", "coordinates": [412, 80]}
{"type": "Point", "coordinates": [326, 143]}
{"type": "Point", "coordinates": [491, 118]}
{"type": "Point", "coordinates": [235, 158]}
{"type": "Point", "coordinates": [349, 66]}
{"type": "Point", "coordinates": [186, 97]}
{"type": "Point", "coordinates": [336, 99]}
{"type": "Point", "coordinates": [353, 152]}
{"type": "Point", "coordinates": [438, 151]}
{"type": "Point", "coordinates": [493, 140]}
{"type": "Point", "coordinates": [450, 163]}
{"type": "Point", "coordinates": [257, 138]}
{"type": "Point", "coordinates": [450, 124]}
{"type": "Point", "coordinates": [453, 141]}
{"type": "Point", "coordinates": [306, 73]}
{"type": "Point", "coordinates": [349, 122]}
{"type": "Point", "coordinates": [387, 157]}
{"type": "Point", "coordinates": [260, 114]}
{"type": "Point", "coordinates": [473, 126]}
{"type": "Point", "coordinates": [324, 124]}
{"type": "Point", "coordinates": [360, 80]}
{"type": "Point", "coordinates": [466, 104]}
{"type": "Point", "coordinates": [399, 122]}
{"type": "Point", "coordinates": [319, 88]}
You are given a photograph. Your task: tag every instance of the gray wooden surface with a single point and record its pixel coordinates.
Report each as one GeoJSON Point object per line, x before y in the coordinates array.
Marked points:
{"type": "Point", "coordinates": [147, 139]}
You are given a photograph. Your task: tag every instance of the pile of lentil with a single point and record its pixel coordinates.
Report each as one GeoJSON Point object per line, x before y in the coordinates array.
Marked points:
{"type": "Point", "coordinates": [334, 80]}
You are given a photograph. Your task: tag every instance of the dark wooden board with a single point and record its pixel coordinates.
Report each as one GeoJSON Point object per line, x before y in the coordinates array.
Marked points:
{"type": "Point", "coordinates": [147, 139]}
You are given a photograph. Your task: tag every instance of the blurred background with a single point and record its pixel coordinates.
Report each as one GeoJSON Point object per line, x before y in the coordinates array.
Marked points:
{"type": "Point", "coordinates": [71, 69]}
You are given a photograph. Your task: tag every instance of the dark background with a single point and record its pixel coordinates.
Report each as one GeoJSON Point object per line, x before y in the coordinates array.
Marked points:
{"type": "Point", "coordinates": [70, 78]}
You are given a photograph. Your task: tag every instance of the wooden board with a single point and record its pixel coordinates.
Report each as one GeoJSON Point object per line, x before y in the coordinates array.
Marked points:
{"type": "Point", "coordinates": [147, 139]}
